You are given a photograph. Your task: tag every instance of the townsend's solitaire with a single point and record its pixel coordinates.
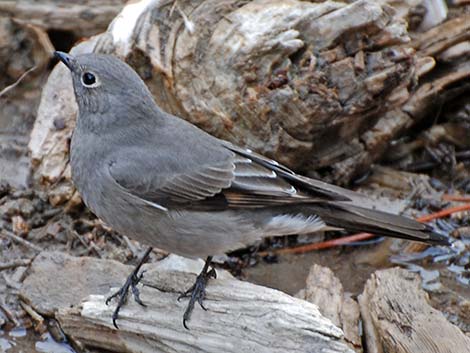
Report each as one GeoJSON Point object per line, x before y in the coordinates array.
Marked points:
{"type": "Point", "coordinates": [162, 181]}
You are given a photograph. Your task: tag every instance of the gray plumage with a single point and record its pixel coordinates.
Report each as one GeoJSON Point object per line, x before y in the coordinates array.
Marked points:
{"type": "Point", "coordinates": [166, 183]}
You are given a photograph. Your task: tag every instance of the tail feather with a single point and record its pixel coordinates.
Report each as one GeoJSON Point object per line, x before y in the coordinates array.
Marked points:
{"type": "Point", "coordinates": [355, 218]}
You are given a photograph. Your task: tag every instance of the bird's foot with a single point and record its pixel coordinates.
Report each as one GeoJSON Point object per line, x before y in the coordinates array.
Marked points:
{"type": "Point", "coordinates": [131, 282]}
{"type": "Point", "coordinates": [197, 292]}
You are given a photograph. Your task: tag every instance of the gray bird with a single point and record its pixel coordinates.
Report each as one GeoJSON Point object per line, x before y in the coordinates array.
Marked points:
{"type": "Point", "coordinates": [164, 182]}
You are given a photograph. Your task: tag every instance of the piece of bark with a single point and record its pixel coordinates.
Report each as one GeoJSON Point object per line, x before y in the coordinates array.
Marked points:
{"type": "Point", "coordinates": [241, 317]}
{"type": "Point", "coordinates": [440, 38]}
{"type": "Point", "coordinates": [325, 290]}
{"type": "Point", "coordinates": [443, 85]}
{"type": "Point", "coordinates": [422, 104]}
{"type": "Point", "coordinates": [82, 18]}
{"type": "Point", "coordinates": [397, 317]}
{"type": "Point", "coordinates": [435, 93]}
{"type": "Point", "coordinates": [454, 52]}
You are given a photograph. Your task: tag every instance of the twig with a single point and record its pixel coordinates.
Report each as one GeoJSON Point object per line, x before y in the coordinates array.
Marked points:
{"type": "Point", "coordinates": [360, 236]}
{"type": "Point", "coordinates": [456, 198]}
{"type": "Point", "coordinates": [131, 246]}
{"type": "Point", "coordinates": [89, 247]}
{"type": "Point", "coordinates": [20, 240]}
{"type": "Point", "coordinates": [80, 239]}
{"type": "Point", "coordinates": [321, 245]}
{"type": "Point", "coordinates": [10, 316]}
{"type": "Point", "coordinates": [33, 313]}
{"type": "Point", "coordinates": [17, 82]}
{"type": "Point", "coordinates": [96, 248]}
{"type": "Point", "coordinates": [444, 213]}
{"type": "Point", "coordinates": [14, 264]}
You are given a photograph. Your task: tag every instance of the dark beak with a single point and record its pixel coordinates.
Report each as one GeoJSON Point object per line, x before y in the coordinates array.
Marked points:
{"type": "Point", "coordinates": [67, 59]}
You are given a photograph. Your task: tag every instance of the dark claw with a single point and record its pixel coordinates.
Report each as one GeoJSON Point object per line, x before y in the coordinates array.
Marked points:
{"type": "Point", "coordinates": [197, 292]}
{"type": "Point", "coordinates": [131, 282]}
{"type": "Point", "coordinates": [136, 294]}
{"type": "Point", "coordinates": [115, 316]}
{"type": "Point", "coordinates": [186, 293]}
{"type": "Point", "coordinates": [212, 273]}
{"type": "Point", "coordinates": [123, 293]}
{"type": "Point", "coordinates": [111, 297]}
{"type": "Point", "coordinates": [184, 323]}
{"type": "Point", "coordinates": [201, 303]}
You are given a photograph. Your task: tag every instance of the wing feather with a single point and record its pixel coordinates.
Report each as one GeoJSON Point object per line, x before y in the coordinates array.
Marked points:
{"type": "Point", "coordinates": [241, 179]}
{"type": "Point", "coordinates": [170, 189]}
{"type": "Point", "coordinates": [310, 186]}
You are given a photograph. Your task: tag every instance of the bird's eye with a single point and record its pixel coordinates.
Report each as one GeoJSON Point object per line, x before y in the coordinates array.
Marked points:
{"type": "Point", "coordinates": [89, 79]}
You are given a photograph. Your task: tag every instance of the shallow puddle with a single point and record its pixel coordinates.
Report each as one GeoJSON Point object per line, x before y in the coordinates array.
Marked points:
{"type": "Point", "coordinates": [21, 340]}
{"type": "Point", "coordinates": [352, 265]}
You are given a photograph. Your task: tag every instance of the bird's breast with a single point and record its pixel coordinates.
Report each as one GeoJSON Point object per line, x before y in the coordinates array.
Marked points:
{"type": "Point", "coordinates": [88, 169]}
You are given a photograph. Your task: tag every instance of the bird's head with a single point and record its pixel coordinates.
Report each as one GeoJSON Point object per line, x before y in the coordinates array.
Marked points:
{"type": "Point", "coordinates": [103, 83]}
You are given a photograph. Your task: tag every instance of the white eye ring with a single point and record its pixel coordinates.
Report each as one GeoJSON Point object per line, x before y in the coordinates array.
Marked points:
{"type": "Point", "coordinates": [90, 80]}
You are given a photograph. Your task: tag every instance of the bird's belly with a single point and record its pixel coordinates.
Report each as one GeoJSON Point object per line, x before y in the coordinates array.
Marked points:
{"type": "Point", "coordinates": [186, 233]}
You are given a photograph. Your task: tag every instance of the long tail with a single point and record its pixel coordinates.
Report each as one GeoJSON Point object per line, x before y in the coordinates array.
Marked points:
{"type": "Point", "coordinates": [355, 218]}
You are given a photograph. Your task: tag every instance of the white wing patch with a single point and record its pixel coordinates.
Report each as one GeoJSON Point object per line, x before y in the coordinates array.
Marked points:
{"type": "Point", "coordinates": [286, 224]}
{"type": "Point", "coordinates": [156, 205]}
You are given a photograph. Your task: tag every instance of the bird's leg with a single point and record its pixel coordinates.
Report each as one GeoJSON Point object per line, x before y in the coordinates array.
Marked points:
{"type": "Point", "coordinates": [131, 281]}
{"type": "Point", "coordinates": [197, 292]}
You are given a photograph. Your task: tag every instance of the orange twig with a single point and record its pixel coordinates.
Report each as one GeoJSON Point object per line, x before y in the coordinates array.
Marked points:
{"type": "Point", "coordinates": [444, 213]}
{"type": "Point", "coordinates": [455, 198]}
{"type": "Point", "coordinates": [362, 236]}
{"type": "Point", "coordinates": [322, 245]}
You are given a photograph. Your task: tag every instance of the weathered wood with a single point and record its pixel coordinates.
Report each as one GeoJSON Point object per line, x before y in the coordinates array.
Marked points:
{"type": "Point", "coordinates": [240, 317]}
{"type": "Point", "coordinates": [82, 18]}
{"type": "Point", "coordinates": [441, 38]}
{"type": "Point", "coordinates": [397, 317]}
{"type": "Point", "coordinates": [56, 280]}
{"type": "Point", "coordinates": [325, 290]}
{"type": "Point", "coordinates": [285, 87]}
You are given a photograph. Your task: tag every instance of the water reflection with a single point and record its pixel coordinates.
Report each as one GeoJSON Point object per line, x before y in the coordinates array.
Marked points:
{"type": "Point", "coordinates": [20, 340]}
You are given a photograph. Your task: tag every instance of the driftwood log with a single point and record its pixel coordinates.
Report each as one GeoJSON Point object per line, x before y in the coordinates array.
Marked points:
{"type": "Point", "coordinates": [318, 86]}
{"type": "Point", "coordinates": [397, 317]}
{"type": "Point", "coordinates": [240, 317]}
